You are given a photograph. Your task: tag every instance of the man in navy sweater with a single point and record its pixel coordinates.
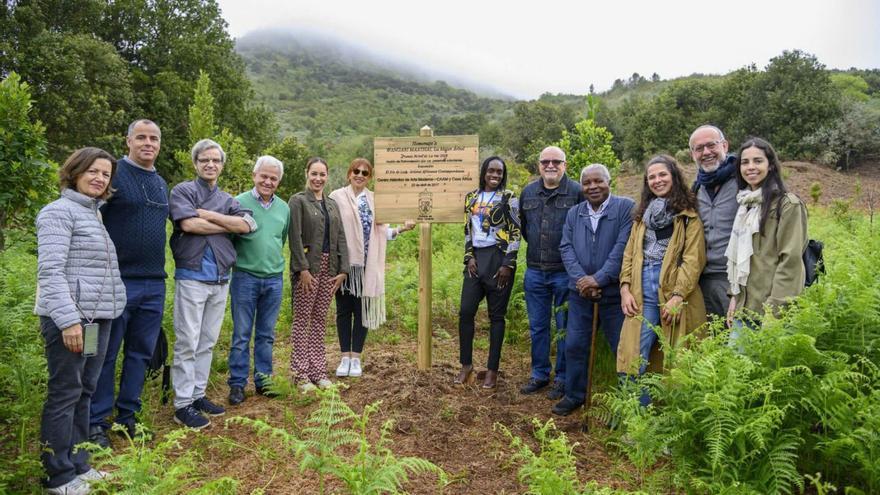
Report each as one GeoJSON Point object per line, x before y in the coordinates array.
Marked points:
{"type": "Point", "coordinates": [135, 218]}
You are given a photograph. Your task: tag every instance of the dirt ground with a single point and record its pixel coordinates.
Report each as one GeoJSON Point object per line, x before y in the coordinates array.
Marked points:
{"type": "Point", "coordinates": [450, 425]}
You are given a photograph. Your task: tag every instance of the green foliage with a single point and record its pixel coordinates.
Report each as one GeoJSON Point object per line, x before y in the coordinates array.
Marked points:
{"type": "Point", "coordinates": [98, 65]}
{"type": "Point", "coordinates": [22, 369]}
{"type": "Point", "coordinates": [201, 112]}
{"type": "Point", "coordinates": [851, 86]}
{"type": "Point", "coordinates": [533, 126]}
{"type": "Point", "coordinates": [82, 90]}
{"type": "Point", "coordinates": [855, 135]}
{"type": "Point", "coordinates": [373, 469]}
{"type": "Point", "coordinates": [238, 169]}
{"type": "Point", "coordinates": [816, 192]}
{"type": "Point", "coordinates": [552, 470]}
{"type": "Point", "coordinates": [800, 397]}
{"type": "Point", "coordinates": [294, 157]}
{"type": "Point", "coordinates": [790, 100]}
{"type": "Point", "coordinates": [166, 468]}
{"type": "Point", "coordinates": [588, 143]}
{"type": "Point", "coordinates": [28, 179]}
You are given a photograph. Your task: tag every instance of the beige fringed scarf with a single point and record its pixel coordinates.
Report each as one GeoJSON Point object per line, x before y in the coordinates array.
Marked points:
{"type": "Point", "coordinates": [367, 277]}
{"type": "Point", "coordinates": [739, 249]}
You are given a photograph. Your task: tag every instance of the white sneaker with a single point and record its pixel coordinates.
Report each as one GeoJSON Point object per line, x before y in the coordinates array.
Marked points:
{"type": "Point", "coordinates": [94, 475]}
{"type": "Point", "coordinates": [355, 369]}
{"type": "Point", "coordinates": [307, 387]}
{"type": "Point", "coordinates": [76, 486]}
{"type": "Point", "coordinates": [342, 369]}
{"type": "Point", "coordinates": [324, 383]}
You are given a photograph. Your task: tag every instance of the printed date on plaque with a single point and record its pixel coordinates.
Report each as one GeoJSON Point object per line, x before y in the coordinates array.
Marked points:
{"type": "Point", "coordinates": [424, 178]}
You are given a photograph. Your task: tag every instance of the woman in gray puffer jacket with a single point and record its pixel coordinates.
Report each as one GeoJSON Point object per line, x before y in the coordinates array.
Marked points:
{"type": "Point", "coordinates": [79, 292]}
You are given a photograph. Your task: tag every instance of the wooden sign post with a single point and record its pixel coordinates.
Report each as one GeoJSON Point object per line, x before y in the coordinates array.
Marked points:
{"type": "Point", "coordinates": [424, 178]}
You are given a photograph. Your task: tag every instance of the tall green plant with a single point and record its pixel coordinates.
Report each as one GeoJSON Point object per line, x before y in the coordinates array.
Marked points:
{"type": "Point", "coordinates": [588, 143]}
{"type": "Point", "coordinates": [237, 170]}
{"type": "Point", "coordinates": [28, 179]}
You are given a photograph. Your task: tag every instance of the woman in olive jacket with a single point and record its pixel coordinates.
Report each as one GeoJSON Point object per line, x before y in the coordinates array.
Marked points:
{"type": "Point", "coordinates": [765, 254]}
{"type": "Point", "coordinates": [318, 267]}
{"type": "Point", "coordinates": [662, 262]}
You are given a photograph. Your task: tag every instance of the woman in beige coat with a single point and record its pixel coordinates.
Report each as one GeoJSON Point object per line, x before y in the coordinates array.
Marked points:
{"type": "Point", "coordinates": [661, 269]}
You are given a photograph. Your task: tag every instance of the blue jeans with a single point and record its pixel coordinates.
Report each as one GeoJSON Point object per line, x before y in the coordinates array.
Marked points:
{"type": "Point", "coordinates": [65, 419]}
{"type": "Point", "coordinates": [651, 313]}
{"type": "Point", "coordinates": [138, 326]}
{"type": "Point", "coordinates": [255, 305]}
{"type": "Point", "coordinates": [545, 292]}
{"type": "Point", "coordinates": [578, 339]}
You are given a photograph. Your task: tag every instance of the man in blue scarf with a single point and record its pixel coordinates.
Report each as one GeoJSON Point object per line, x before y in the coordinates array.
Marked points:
{"type": "Point", "coordinates": [716, 190]}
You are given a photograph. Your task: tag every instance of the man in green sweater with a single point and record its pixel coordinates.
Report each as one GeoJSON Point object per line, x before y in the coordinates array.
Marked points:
{"type": "Point", "coordinates": [257, 281]}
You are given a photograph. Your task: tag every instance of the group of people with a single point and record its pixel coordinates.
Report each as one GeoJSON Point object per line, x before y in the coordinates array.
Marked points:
{"type": "Point", "coordinates": [101, 286]}
{"type": "Point", "coordinates": [729, 246]}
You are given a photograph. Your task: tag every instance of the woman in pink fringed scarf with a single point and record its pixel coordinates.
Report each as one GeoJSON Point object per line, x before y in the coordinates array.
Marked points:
{"type": "Point", "coordinates": [360, 302]}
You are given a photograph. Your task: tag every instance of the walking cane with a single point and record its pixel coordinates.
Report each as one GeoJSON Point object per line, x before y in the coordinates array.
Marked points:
{"type": "Point", "coordinates": [589, 401]}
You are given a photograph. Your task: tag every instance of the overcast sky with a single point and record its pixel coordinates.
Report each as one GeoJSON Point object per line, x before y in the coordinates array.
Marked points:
{"type": "Point", "coordinates": [558, 46]}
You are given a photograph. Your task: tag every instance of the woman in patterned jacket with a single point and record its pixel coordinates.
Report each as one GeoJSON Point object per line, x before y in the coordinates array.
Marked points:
{"type": "Point", "coordinates": [491, 236]}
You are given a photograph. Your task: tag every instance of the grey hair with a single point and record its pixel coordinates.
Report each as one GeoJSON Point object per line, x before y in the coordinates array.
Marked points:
{"type": "Point", "coordinates": [554, 148]}
{"type": "Point", "coordinates": [205, 145]}
{"type": "Point", "coordinates": [141, 121]}
{"type": "Point", "coordinates": [269, 161]}
{"type": "Point", "coordinates": [706, 126]}
{"type": "Point", "coordinates": [603, 171]}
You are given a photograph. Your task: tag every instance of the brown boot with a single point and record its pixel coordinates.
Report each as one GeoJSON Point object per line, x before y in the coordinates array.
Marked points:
{"type": "Point", "coordinates": [491, 379]}
{"type": "Point", "coordinates": [464, 374]}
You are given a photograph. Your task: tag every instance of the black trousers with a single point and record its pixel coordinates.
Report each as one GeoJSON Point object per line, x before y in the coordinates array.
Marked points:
{"type": "Point", "coordinates": [473, 289]}
{"type": "Point", "coordinates": [349, 323]}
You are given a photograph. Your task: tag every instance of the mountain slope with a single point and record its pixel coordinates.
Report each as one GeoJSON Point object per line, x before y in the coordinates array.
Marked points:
{"type": "Point", "coordinates": [340, 97]}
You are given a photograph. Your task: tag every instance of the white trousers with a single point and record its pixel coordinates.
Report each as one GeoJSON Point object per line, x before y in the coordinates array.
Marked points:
{"type": "Point", "coordinates": [198, 315]}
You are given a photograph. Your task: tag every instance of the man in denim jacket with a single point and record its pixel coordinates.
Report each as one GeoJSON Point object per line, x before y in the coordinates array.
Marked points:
{"type": "Point", "coordinates": [543, 206]}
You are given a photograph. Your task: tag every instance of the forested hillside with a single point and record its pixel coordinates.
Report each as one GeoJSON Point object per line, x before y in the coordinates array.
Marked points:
{"type": "Point", "coordinates": [337, 103]}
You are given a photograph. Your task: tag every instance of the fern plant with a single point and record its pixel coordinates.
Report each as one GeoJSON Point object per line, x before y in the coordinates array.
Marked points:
{"type": "Point", "coordinates": [333, 427]}
{"type": "Point", "coordinates": [551, 471]}
{"type": "Point", "coordinates": [800, 395]}
{"type": "Point", "coordinates": [166, 468]}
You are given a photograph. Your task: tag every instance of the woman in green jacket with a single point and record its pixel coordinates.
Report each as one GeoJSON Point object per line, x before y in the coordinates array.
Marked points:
{"type": "Point", "coordinates": [765, 254]}
{"type": "Point", "coordinates": [318, 267]}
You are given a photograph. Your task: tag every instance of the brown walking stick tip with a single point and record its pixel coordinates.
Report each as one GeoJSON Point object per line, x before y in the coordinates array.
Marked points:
{"type": "Point", "coordinates": [589, 401]}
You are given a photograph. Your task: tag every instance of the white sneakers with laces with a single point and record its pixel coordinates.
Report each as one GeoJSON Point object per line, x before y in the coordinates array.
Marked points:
{"type": "Point", "coordinates": [355, 368]}
{"type": "Point", "coordinates": [344, 366]}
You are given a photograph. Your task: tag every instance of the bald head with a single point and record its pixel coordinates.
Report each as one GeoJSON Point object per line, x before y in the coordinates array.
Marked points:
{"type": "Point", "coordinates": [551, 166]}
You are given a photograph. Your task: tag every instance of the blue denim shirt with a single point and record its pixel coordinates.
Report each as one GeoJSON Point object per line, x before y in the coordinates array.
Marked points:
{"type": "Point", "coordinates": [542, 215]}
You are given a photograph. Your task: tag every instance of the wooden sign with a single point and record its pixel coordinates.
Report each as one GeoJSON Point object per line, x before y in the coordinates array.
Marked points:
{"type": "Point", "coordinates": [424, 178]}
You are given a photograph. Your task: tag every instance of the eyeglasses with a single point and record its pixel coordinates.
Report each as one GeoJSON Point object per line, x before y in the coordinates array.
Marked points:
{"type": "Point", "coordinates": [360, 171]}
{"type": "Point", "coordinates": [555, 162]}
{"type": "Point", "coordinates": [163, 203]}
{"type": "Point", "coordinates": [708, 146]}
{"type": "Point", "coordinates": [205, 161]}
